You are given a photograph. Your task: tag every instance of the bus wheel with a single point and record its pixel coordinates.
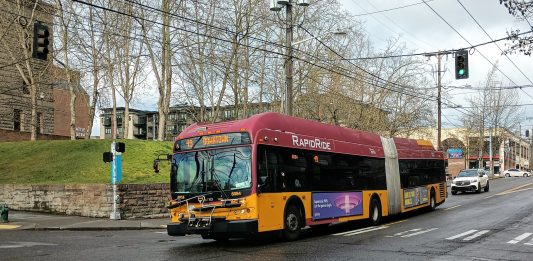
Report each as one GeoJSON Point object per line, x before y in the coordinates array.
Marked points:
{"type": "Point", "coordinates": [375, 212]}
{"type": "Point", "coordinates": [432, 202]}
{"type": "Point", "coordinates": [292, 223]}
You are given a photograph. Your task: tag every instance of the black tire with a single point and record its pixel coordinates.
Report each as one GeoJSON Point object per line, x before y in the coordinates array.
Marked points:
{"type": "Point", "coordinates": [375, 212]}
{"type": "Point", "coordinates": [525, 175]}
{"type": "Point", "coordinates": [507, 175]}
{"type": "Point", "coordinates": [478, 188]}
{"type": "Point", "coordinates": [487, 187]}
{"type": "Point", "coordinates": [454, 192]}
{"type": "Point", "coordinates": [292, 223]}
{"type": "Point", "coordinates": [432, 201]}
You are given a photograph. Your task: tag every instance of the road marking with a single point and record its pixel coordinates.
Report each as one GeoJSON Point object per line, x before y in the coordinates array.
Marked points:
{"type": "Point", "coordinates": [530, 243]}
{"type": "Point", "coordinates": [450, 208]}
{"type": "Point", "coordinates": [519, 238]}
{"type": "Point", "coordinates": [161, 232]}
{"type": "Point", "coordinates": [394, 223]}
{"type": "Point", "coordinates": [405, 232]}
{"type": "Point", "coordinates": [360, 231]}
{"type": "Point", "coordinates": [478, 234]}
{"type": "Point", "coordinates": [462, 234]}
{"type": "Point", "coordinates": [25, 244]}
{"type": "Point", "coordinates": [163, 226]}
{"type": "Point", "coordinates": [9, 226]}
{"type": "Point", "coordinates": [509, 192]}
{"type": "Point", "coordinates": [420, 232]}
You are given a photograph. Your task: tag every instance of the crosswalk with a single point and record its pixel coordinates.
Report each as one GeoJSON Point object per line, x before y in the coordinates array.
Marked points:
{"type": "Point", "coordinates": [521, 237]}
{"type": "Point", "coordinates": [470, 235]}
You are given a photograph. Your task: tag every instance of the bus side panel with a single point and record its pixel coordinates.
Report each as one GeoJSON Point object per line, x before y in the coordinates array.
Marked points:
{"type": "Point", "coordinates": [271, 207]}
{"type": "Point", "coordinates": [438, 198]}
{"type": "Point", "coordinates": [367, 195]}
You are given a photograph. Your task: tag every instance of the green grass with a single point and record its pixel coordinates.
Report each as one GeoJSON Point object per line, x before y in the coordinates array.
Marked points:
{"type": "Point", "coordinates": [80, 161]}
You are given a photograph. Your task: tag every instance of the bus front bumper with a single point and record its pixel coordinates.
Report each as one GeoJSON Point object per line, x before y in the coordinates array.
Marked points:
{"type": "Point", "coordinates": [234, 228]}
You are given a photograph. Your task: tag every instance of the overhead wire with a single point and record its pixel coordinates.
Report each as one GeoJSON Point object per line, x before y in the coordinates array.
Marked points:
{"type": "Point", "coordinates": [466, 40]}
{"type": "Point", "coordinates": [513, 63]}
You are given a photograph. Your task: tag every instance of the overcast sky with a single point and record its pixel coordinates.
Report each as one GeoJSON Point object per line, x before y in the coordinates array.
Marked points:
{"type": "Point", "coordinates": [423, 31]}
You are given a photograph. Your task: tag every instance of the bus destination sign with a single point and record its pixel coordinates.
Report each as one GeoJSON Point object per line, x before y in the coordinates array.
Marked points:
{"type": "Point", "coordinates": [226, 139]}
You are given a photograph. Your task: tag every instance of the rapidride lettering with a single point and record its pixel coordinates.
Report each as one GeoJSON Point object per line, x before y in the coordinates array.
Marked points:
{"type": "Point", "coordinates": [310, 143]}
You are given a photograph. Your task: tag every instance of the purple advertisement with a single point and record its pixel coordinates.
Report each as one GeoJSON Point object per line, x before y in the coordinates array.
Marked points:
{"type": "Point", "coordinates": [340, 204]}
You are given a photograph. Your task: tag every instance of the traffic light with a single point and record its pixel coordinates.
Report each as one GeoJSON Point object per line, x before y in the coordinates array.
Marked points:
{"type": "Point", "coordinates": [461, 64]}
{"type": "Point", "coordinates": [40, 41]}
{"type": "Point", "coordinates": [120, 147]}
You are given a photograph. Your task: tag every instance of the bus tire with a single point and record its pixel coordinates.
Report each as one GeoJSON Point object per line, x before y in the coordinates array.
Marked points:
{"type": "Point", "coordinates": [375, 212]}
{"type": "Point", "coordinates": [292, 223]}
{"type": "Point", "coordinates": [432, 200]}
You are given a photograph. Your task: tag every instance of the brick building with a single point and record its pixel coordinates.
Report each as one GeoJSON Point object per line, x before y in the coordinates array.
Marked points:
{"type": "Point", "coordinates": [51, 103]}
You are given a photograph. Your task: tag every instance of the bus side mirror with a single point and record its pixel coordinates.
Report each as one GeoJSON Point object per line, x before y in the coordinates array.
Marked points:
{"type": "Point", "coordinates": [156, 166]}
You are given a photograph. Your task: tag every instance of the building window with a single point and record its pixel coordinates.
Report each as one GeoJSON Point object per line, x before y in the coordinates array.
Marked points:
{"type": "Point", "coordinates": [119, 129]}
{"type": "Point", "coordinates": [107, 130]}
{"type": "Point", "coordinates": [16, 119]}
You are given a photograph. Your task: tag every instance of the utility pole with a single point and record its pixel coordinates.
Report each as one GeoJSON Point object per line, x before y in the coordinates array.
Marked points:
{"type": "Point", "coordinates": [289, 61]}
{"type": "Point", "coordinates": [277, 5]}
{"type": "Point", "coordinates": [439, 102]}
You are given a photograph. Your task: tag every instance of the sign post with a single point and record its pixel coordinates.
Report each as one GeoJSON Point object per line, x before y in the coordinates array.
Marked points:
{"type": "Point", "coordinates": [116, 156]}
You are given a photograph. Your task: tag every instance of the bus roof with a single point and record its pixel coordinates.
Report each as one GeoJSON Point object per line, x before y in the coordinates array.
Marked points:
{"type": "Point", "coordinates": [280, 122]}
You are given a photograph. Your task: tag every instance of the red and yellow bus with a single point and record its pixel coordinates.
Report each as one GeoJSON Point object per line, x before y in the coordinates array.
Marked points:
{"type": "Point", "coordinates": [275, 172]}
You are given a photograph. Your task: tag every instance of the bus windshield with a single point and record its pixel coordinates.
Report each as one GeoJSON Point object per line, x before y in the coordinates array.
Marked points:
{"type": "Point", "coordinates": [212, 170]}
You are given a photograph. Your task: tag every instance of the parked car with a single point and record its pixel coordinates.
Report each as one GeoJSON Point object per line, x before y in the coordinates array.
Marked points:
{"type": "Point", "coordinates": [470, 180]}
{"type": "Point", "coordinates": [516, 173]}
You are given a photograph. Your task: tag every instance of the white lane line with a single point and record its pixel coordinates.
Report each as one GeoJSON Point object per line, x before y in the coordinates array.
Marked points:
{"type": "Point", "coordinates": [450, 208]}
{"type": "Point", "coordinates": [478, 234]}
{"type": "Point", "coordinates": [420, 232]}
{"type": "Point", "coordinates": [365, 231]}
{"type": "Point", "coordinates": [530, 243]}
{"type": "Point", "coordinates": [462, 234]}
{"type": "Point", "coordinates": [161, 232]}
{"type": "Point", "coordinates": [25, 244]}
{"type": "Point", "coordinates": [352, 231]}
{"type": "Point", "coordinates": [519, 238]}
{"type": "Point", "coordinates": [405, 232]}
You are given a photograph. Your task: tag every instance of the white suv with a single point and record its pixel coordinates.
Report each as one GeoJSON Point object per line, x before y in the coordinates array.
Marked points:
{"type": "Point", "coordinates": [470, 180]}
{"type": "Point", "coordinates": [516, 173]}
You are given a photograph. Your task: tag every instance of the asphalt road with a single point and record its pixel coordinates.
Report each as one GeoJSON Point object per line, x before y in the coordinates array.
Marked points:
{"type": "Point", "coordinates": [494, 225]}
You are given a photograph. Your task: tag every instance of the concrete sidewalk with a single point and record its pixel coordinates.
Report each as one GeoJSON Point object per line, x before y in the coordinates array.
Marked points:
{"type": "Point", "coordinates": [21, 220]}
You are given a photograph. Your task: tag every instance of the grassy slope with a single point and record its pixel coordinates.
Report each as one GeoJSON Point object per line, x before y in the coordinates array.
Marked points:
{"type": "Point", "coordinates": [56, 162]}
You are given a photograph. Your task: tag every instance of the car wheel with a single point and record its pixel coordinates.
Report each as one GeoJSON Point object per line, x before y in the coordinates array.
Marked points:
{"type": "Point", "coordinates": [507, 175]}
{"type": "Point", "coordinates": [487, 187]}
{"type": "Point", "coordinates": [293, 223]}
{"type": "Point", "coordinates": [525, 175]}
{"type": "Point", "coordinates": [478, 190]}
{"type": "Point", "coordinates": [454, 192]}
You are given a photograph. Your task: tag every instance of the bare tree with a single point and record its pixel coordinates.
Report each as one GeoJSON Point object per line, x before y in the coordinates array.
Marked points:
{"type": "Point", "coordinates": [522, 10]}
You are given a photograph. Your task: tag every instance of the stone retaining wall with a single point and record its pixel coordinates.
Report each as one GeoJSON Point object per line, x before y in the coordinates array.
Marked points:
{"type": "Point", "coordinates": [90, 200]}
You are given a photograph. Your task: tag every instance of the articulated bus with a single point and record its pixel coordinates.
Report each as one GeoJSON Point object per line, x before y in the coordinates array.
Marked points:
{"type": "Point", "coordinates": [273, 172]}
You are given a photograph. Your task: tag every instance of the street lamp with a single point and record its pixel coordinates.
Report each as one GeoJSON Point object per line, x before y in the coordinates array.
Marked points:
{"type": "Point", "coordinates": [276, 6]}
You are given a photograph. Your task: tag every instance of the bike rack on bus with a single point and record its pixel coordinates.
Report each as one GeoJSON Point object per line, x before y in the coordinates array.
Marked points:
{"type": "Point", "coordinates": [226, 203]}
